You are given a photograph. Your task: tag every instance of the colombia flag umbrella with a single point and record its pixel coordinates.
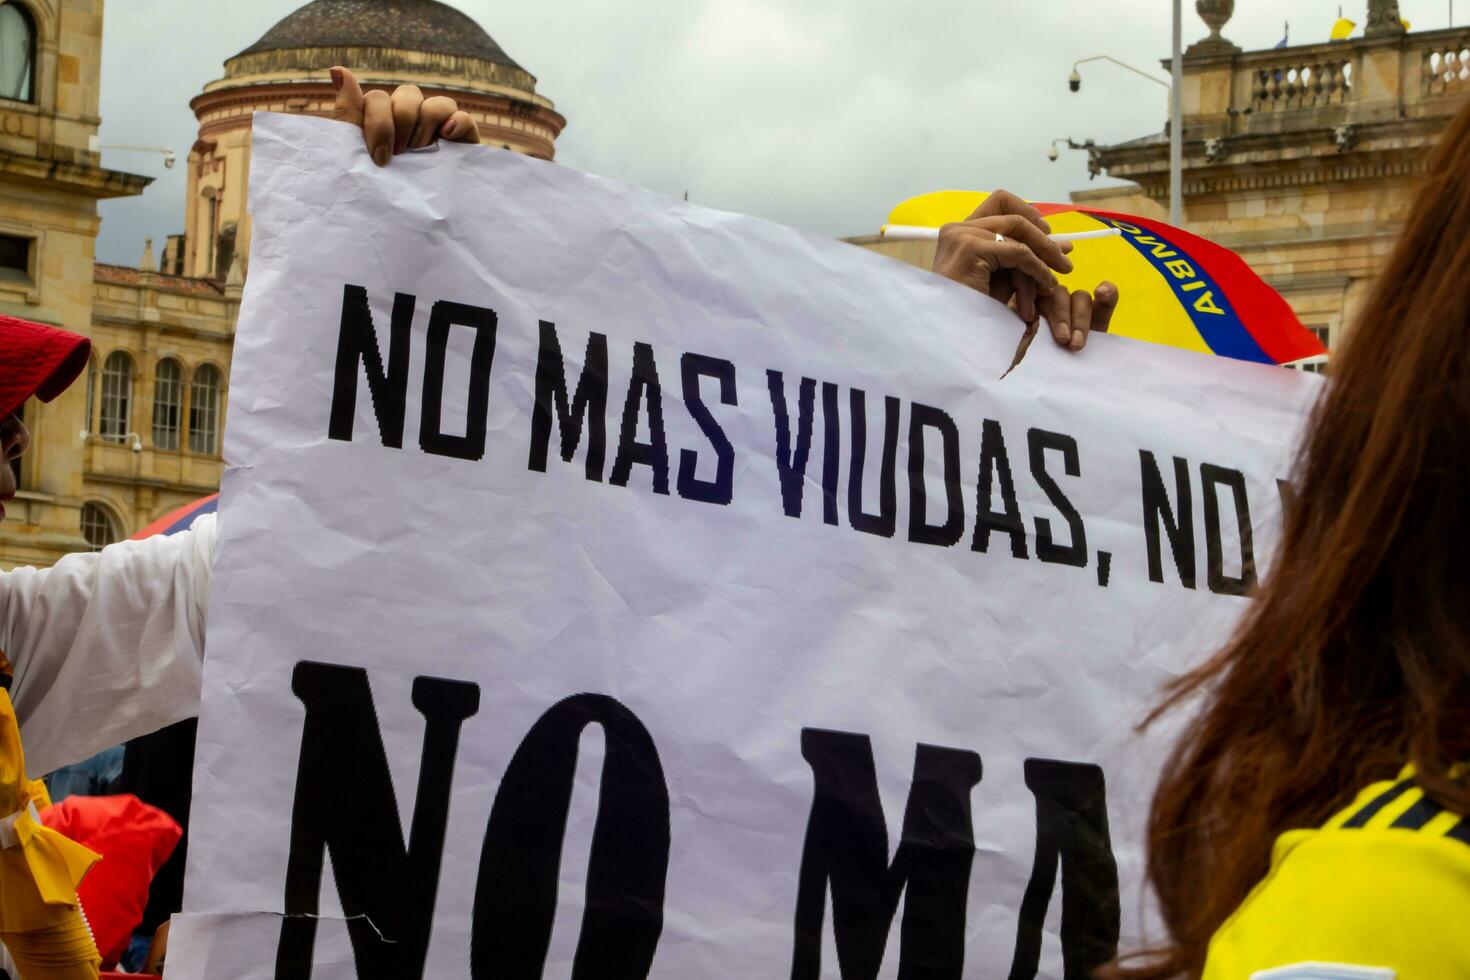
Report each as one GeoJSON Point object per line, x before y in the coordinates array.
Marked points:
{"type": "Point", "coordinates": [1175, 288]}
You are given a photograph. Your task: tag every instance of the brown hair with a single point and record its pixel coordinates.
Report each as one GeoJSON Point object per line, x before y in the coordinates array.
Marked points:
{"type": "Point", "coordinates": [1355, 656]}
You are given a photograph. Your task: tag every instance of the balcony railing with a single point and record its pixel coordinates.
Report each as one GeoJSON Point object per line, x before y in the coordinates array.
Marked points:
{"type": "Point", "coordinates": [1419, 66]}
{"type": "Point", "coordinates": [1302, 84]}
{"type": "Point", "coordinates": [1445, 68]}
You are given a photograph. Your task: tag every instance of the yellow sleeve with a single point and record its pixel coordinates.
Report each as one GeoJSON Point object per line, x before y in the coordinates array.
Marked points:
{"type": "Point", "coordinates": [1391, 899]}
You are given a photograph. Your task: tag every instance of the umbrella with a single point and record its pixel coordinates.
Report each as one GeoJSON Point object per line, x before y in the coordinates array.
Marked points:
{"type": "Point", "coordinates": [181, 519]}
{"type": "Point", "coordinates": [1176, 288]}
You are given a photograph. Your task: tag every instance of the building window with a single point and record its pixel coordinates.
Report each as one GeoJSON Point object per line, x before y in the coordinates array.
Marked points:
{"type": "Point", "coordinates": [90, 423]}
{"type": "Point", "coordinates": [98, 527]}
{"type": "Point", "coordinates": [168, 404]}
{"type": "Point", "coordinates": [204, 411]}
{"type": "Point", "coordinates": [15, 253]}
{"type": "Point", "coordinates": [17, 53]}
{"type": "Point", "coordinates": [20, 414]}
{"type": "Point", "coordinates": [1318, 365]}
{"type": "Point", "coordinates": [117, 397]}
{"type": "Point", "coordinates": [211, 208]}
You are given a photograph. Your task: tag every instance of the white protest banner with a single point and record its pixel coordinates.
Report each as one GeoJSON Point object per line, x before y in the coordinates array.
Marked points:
{"type": "Point", "coordinates": [609, 587]}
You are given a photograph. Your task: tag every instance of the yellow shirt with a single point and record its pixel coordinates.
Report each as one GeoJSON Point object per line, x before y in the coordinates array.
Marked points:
{"type": "Point", "coordinates": [1381, 890]}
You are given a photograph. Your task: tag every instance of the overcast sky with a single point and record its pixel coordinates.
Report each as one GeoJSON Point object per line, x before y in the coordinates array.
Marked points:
{"type": "Point", "coordinates": [817, 113]}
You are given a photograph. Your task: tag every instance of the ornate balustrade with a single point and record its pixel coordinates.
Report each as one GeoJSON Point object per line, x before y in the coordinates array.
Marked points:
{"type": "Point", "coordinates": [1301, 83]}
{"type": "Point", "coordinates": [1361, 107]}
{"type": "Point", "coordinates": [1407, 69]}
{"type": "Point", "coordinates": [1445, 67]}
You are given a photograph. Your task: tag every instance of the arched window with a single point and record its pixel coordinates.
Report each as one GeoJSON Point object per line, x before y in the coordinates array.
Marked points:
{"type": "Point", "coordinates": [98, 527]}
{"type": "Point", "coordinates": [168, 404]}
{"type": "Point", "coordinates": [17, 53]}
{"type": "Point", "coordinates": [204, 411]}
{"type": "Point", "coordinates": [117, 397]}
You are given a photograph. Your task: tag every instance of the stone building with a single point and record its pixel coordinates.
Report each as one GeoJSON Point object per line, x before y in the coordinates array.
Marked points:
{"type": "Point", "coordinates": [50, 183]}
{"type": "Point", "coordinates": [1301, 159]}
{"type": "Point", "coordinates": [142, 435]}
{"type": "Point", "coordinates": [386, 43]}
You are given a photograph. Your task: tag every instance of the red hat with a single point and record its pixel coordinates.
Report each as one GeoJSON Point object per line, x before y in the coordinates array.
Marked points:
{"type": "Point", "coordinates": [37, 360]}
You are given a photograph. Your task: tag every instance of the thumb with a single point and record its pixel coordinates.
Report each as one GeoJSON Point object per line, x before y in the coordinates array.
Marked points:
{"type": "Point", "coordinates": [348, 106]}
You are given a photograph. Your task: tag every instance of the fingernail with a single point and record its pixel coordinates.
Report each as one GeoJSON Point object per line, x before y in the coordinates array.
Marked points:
{"type": "Point", "coordinates": [449, 129]}
{"type": "Point", "coordinates": [1065, 331]}
{"type": "Point", "coordinates": [382, 155]}
{"type": "Point", "coordinates": [1077, 339]}
{"type": "Point", "coordinates": [337, 79]}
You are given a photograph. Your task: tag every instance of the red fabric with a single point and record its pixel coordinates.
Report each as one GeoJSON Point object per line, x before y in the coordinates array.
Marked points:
{"type": "Point", "coordinates": [134, 840]}
{"type": "Point", "coordinates": [37, 360]}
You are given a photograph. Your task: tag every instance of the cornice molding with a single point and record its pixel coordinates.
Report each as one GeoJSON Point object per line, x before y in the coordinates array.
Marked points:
{"type": "Point", "coordinates": [1301, 173]}
{"type": "Point", "coordinates": [81, 178]}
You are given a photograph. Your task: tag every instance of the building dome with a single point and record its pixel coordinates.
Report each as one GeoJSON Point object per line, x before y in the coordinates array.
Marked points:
{"type": "Point", "coordinates": [411, 25]}
{"type": "Point", "coordinates": [419, 37]}
{"type": "Point", "coordinates": [386, 43]}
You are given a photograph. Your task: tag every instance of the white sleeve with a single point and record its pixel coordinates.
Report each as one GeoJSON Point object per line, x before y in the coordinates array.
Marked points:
{"type": "Point", "coordinates": [106, 646]}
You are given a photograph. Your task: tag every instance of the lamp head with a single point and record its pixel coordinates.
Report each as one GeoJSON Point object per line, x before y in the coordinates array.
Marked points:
{"type": "Point", "coordinates": [1051, 154]}
{"type": "Point", "coordinates": [1074, 81]}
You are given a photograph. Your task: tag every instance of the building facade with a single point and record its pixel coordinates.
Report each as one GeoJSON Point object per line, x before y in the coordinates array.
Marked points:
{"type": "Point", "coordinates": [50, 183]}
{"type": "Point", "coordinates": [1304, 160]}
{"type": "Point", "coordinates": [141, 435]}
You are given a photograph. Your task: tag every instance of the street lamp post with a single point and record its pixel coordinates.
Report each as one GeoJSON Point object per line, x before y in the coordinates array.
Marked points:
{"type": "Point", "coordinates": [1176, 124]}
{"type": "Point", "coordinates": [1088, 146]}
{"type": "Point", "coordinates": [1074, 81]}
{"type": "Point", "coordinates": [1176, 121]}
{"type": "Point", "coordinates": [95, 145]}
{"type": "Point", "coordinates": [1052, 154]}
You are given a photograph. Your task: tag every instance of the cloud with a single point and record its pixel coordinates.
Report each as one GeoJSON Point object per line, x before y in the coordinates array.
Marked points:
{"type": "Point", "coordinates": [817, 113]}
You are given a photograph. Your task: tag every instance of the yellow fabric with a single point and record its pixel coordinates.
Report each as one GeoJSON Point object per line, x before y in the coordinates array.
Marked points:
{"type": "Point", "coordinates": [40, 919]}
{"type": "Point", "coordinates": [63, 951]}
{"type": "Point", "coordinates": [936, 208]}
{"type": "Point", "coordinates": [1342, 29]}
{"type": "Point", "coordinates": [1360, 891]}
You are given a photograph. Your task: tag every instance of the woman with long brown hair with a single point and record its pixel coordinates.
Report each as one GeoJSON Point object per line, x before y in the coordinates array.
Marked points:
{"type": "Point", "coordinates": [1314, 810]}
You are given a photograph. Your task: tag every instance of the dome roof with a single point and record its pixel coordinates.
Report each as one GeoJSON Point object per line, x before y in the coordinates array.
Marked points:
{"type": "Point", "coordinates": [405, 25]}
